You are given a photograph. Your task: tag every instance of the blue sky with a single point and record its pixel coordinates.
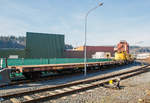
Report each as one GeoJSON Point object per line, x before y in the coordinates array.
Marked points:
{"type": "Point", "coordinates": [116, 20]}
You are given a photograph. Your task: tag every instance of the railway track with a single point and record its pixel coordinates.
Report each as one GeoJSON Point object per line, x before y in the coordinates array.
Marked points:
{"type": "Point", "coordinates": [69, 88]}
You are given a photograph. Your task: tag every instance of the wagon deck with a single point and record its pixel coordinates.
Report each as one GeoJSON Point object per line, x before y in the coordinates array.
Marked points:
{"type": "Point", "coordinates": [47, 67]}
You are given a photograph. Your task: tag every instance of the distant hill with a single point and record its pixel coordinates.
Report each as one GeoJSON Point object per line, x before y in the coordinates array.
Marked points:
{"type": "Point", "coordinates": [12, 42]}
{"type": "Point", "coordinates": [138, 49]}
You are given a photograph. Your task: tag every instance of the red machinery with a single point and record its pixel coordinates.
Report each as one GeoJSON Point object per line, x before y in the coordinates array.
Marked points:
{"type": "Point", "coordinates": [123, 46]}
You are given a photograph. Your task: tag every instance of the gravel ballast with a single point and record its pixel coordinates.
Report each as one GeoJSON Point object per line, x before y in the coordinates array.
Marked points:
{"type": "Point", "coordinates": [132, 90]}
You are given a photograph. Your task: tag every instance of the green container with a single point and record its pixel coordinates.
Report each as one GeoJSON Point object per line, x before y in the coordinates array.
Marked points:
{"type": "Point", "coordinates": [42, 45]}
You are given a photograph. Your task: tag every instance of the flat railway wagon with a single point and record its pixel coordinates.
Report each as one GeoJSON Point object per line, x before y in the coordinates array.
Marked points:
{"type": "Point", "coordinates": [35, 71]}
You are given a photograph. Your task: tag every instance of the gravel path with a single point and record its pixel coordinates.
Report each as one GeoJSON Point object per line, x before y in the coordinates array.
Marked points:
{"type": "Point", "coordinates": [132, 90]}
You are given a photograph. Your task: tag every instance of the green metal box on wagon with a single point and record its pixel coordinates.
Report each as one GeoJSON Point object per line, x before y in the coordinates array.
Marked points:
{"type": "Point", "coordinates": [43, 45]}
